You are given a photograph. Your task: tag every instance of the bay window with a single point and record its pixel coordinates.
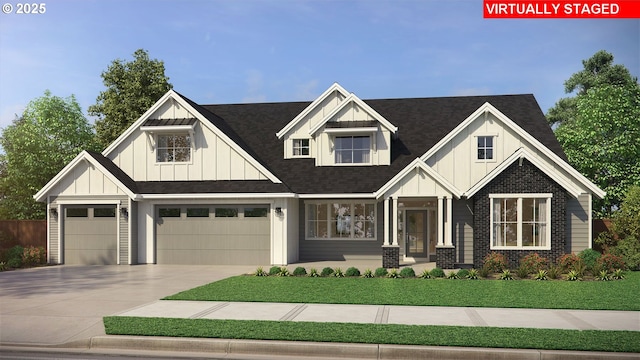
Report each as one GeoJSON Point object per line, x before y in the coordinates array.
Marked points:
{"type": "Point", "coordinates": [520, 221]}
{"type": "Point", "coordinates": [341, 220]}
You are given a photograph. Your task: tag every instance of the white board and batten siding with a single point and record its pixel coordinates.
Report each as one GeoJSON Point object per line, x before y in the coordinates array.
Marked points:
{"type": "Point", "coordinates": [85, 179]}
{"type": "Point", "coordinates": [212, 158]}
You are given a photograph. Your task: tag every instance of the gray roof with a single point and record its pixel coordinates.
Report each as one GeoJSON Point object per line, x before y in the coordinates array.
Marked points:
{"type": "Point", "coordinates": [421, 122]}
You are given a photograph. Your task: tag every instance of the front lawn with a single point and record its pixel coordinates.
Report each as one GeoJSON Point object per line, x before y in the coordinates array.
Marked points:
{"type": "Point", "coordinates": [552, 294]}
{"type": "Point", "coordinates": [544, 339]}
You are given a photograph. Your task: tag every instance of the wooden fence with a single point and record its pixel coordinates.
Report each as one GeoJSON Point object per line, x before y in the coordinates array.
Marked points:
{"type": "Point", "coordinates": [23, 232]}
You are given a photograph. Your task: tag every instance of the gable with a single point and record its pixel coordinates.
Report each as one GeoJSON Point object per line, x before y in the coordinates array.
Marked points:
{"type": "Point", "coordinates": [416, 180]}
{"type": "Point", "coordinates": [213, 155]}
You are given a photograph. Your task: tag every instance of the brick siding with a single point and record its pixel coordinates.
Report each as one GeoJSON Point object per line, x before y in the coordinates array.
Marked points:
{"type": "Point", "coordinates": [519, 179]}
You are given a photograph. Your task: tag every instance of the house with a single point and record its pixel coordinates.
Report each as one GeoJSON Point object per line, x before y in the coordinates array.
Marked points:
{"type": "Point", "coordinates": [433, 179]}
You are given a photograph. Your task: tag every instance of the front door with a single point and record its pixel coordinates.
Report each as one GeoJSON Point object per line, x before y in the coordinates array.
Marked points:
{"type": "Point", "coordinates": [416, 234]}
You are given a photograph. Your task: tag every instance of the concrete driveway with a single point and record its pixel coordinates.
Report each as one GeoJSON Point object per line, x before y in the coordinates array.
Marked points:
{"type": "Point", "coordinates": [61, 304]}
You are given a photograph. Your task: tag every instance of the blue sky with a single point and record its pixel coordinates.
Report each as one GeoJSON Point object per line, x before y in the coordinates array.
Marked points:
{"type": "Point", "coordinates": [270, 51]}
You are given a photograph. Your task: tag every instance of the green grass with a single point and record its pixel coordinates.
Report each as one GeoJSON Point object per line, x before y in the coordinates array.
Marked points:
{"type": "Point", "coordinates": [544, 339]}
{"type": "Point", "coordinates": [557, 294]}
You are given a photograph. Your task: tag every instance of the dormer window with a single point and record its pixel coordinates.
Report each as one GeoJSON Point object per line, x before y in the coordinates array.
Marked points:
{"type": "Point", "coordinates": [352, 149]}
{"type": "Point", "coordinates": [301, 147]}
{"type": "Point", "coordinates": [173, 148]}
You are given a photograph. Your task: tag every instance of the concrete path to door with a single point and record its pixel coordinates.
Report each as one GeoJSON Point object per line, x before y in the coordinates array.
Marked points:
{"type": "Point", "coordinates": [60, 304]}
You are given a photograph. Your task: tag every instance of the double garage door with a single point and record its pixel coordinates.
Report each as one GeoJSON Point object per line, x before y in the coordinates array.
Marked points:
{"type": "Point", "coordinates": [213, 234]}
{"type": "Point", "coordinates": [90, 235]}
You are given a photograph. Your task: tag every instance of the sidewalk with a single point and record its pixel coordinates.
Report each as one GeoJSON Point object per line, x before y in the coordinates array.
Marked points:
{"type": "Point", "coordinates": [387, 314]}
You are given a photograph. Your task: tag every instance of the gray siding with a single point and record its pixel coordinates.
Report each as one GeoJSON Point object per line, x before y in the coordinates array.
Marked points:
{"type": "Point", "coordinates": [463, 230]}
{"type": "Point", "coordinates": [133, 223]}
{"type": "Point", "coordinates": [577, 224]}
{"type": "Point", "coordinates": [319, 250]}
{"type": "Point", "coordinates": [54, 240]}
{"type": "Point", "coordinates": [123, 229]}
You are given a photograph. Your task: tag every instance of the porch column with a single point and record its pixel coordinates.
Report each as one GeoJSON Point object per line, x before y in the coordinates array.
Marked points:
{"type": "Point", "coordinates": [386, 222]}
{"type": "Point", "coordinates": [440, 219]}
{"type": "Point", "coordinates": [447, 230]}
{"type": "Point", "coordinates": [395, 220]}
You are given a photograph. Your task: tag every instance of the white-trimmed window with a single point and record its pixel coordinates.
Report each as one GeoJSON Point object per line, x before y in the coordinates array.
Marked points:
{"type": "Point", "coordinates": [352, 149]}
{"type": "Point", "coordinates": [520, 221]}
{"type": "Point", "coordinates": [301, 147]}
{"type": "Point", "coordinates": [341, 220]}
{"type": "Point", "coordinates": [485, 147]}
{"type": "Point", "coordinates": [173, 148]}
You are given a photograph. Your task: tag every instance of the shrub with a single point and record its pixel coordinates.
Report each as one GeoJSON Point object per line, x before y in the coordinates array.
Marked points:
{"type": "Point", "coordinates": [523, 271]}
{"type": "Point", "coordinates": [610, 262]}
{"type": "Point", "coordinates": [437, 273]}
{"type": "Point", "coordinates": [629, 250]}
{"type": "Point", "coordinates": [462, 273]}
{"type": "Point", "coordinates": [32, 256]}
{"type": "Point", "coordinates": [283, 271]}
{"type": "Point", "coordinates": [327, 271]}
{"type": "Point", "coordinates": [337, 272]}
{"type": "Point", "coordinates": [472, 274]}
{"type": "Point", "coordinates": [553, 272]}
{"type": "Point", "coordinates": [568, 262]}
{"type": "Point", "coordinates": [381, 272]}
{"type": "Point", "coordinates": [407, 272]}
{"type": "Point", "coordinates": [368, 274]}
{"type": "Point", "coordinates": [618, 274]}
{"type": "Point", "coordinates": [352, 271]}
{"type": "Point", "coordinates": [274, 270]}
{"type": "Point", "coordinates": [495, 262]}
{"type": "Point", "coordinates": [602, 275]}
{"type": "Point", "coordinates": [452, 275]}
{"type": "Point", "coordinates": [626, 221]}
{"type": "Point", "coordinates": [541, 275]}
{"type": "Point", "coordinates": [589, 257]}
{"type": "Point", "coordinates": [299, 271]}
{"type": "Point", "coordinates": [14, 256]}
{"type": "Point", "coordinates": [3, 266]}
{"type": "Point", "coordinates": [394, 274]}
{"type": "Point", "coordinates": [573, 275]}
{"type": "Point", "coordinates": [313, 272]}
{"type": "Point", "coordinates": [534, 263]}
{"type": "Point", "coordinates": [260, 272]}
{"type": "Point", "coordinates": [506, 275]}
{"type": "Point", "coordinates": [484, 272]}
{"type": "Point", "coordinates": [425, 274]}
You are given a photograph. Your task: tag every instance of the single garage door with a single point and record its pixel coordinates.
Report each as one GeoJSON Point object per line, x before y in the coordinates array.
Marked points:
{"type": "Point", "coordinates": [90, 235]}
{"type": "Point", "coordinates": [213, 235]}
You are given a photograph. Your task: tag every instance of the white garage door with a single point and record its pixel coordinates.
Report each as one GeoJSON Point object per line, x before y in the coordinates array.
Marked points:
{"type": "Point", "coordinates": [90, 235]}
{"type": "Point", "coordinates": [213, 234]}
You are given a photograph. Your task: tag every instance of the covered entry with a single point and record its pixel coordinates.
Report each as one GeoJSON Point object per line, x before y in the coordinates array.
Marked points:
{"type": "Point", "coordinates": [90, 235]}
{"type": "Point", "coordinates": [213, 234]}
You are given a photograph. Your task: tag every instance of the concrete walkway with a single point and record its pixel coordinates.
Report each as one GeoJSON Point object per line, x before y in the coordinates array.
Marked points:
{"type": "Point", "coordinates": [386, 314]}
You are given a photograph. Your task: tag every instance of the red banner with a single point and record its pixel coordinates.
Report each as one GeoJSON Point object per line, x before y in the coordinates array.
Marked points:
{"type": "Point", "coordinates": [563, 9]}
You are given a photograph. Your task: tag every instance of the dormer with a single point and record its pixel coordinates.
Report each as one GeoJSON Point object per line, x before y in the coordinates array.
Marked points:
{"type": "Point", "coordinates": [339, 129]}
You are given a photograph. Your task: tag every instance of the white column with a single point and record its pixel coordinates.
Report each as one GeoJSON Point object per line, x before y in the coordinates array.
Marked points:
{"type": "Point", "coordinates": [394, 212]}
{"type": "Point", "coordinates": [386, 222]}
{"type": "Point", "coordinates": [440, 219]}
{"type": "Point", "coordinates": [448, 229]}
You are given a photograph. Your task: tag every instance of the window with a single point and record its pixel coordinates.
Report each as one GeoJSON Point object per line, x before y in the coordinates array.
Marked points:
{"type": "Point", "coordinates": [173, 148]}
{"type": "Point", "coordinates": [198, 212]}
{"type": "Point", "coordinates": [301, 147]}
{"type": "Point", "coordinates": [343, 220]}
{"type": "Point", "coordinates": [169, 212]}
{"type": "Point", "coordinates": [77, 212]}
{"type": "Point", "coordinates": [485, 147]}
{"type": "Point", "coordinates": [226, 212]}
{"type": "Point", "coordinates": [352, 149]}
{"type": "Point", "coordinates": [255, 212]}
{"type": "Point", "coordinates": [104, 212]}
{"type": "Point", "coordinates": [521, 221]}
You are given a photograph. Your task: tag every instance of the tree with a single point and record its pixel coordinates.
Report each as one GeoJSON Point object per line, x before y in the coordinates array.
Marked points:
{"type": "Point", "coordinates": [132, 88]}
{"type": "Point", "coordinates": [37, 145]}
{"type": "Point", "coordinates": [599, 70]}
{"type": "Point", "coordinates": [602, 141]}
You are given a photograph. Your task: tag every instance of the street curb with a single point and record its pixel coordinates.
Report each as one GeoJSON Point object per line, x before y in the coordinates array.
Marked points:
{"type": "Point", "coordinates": [337, 350]}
